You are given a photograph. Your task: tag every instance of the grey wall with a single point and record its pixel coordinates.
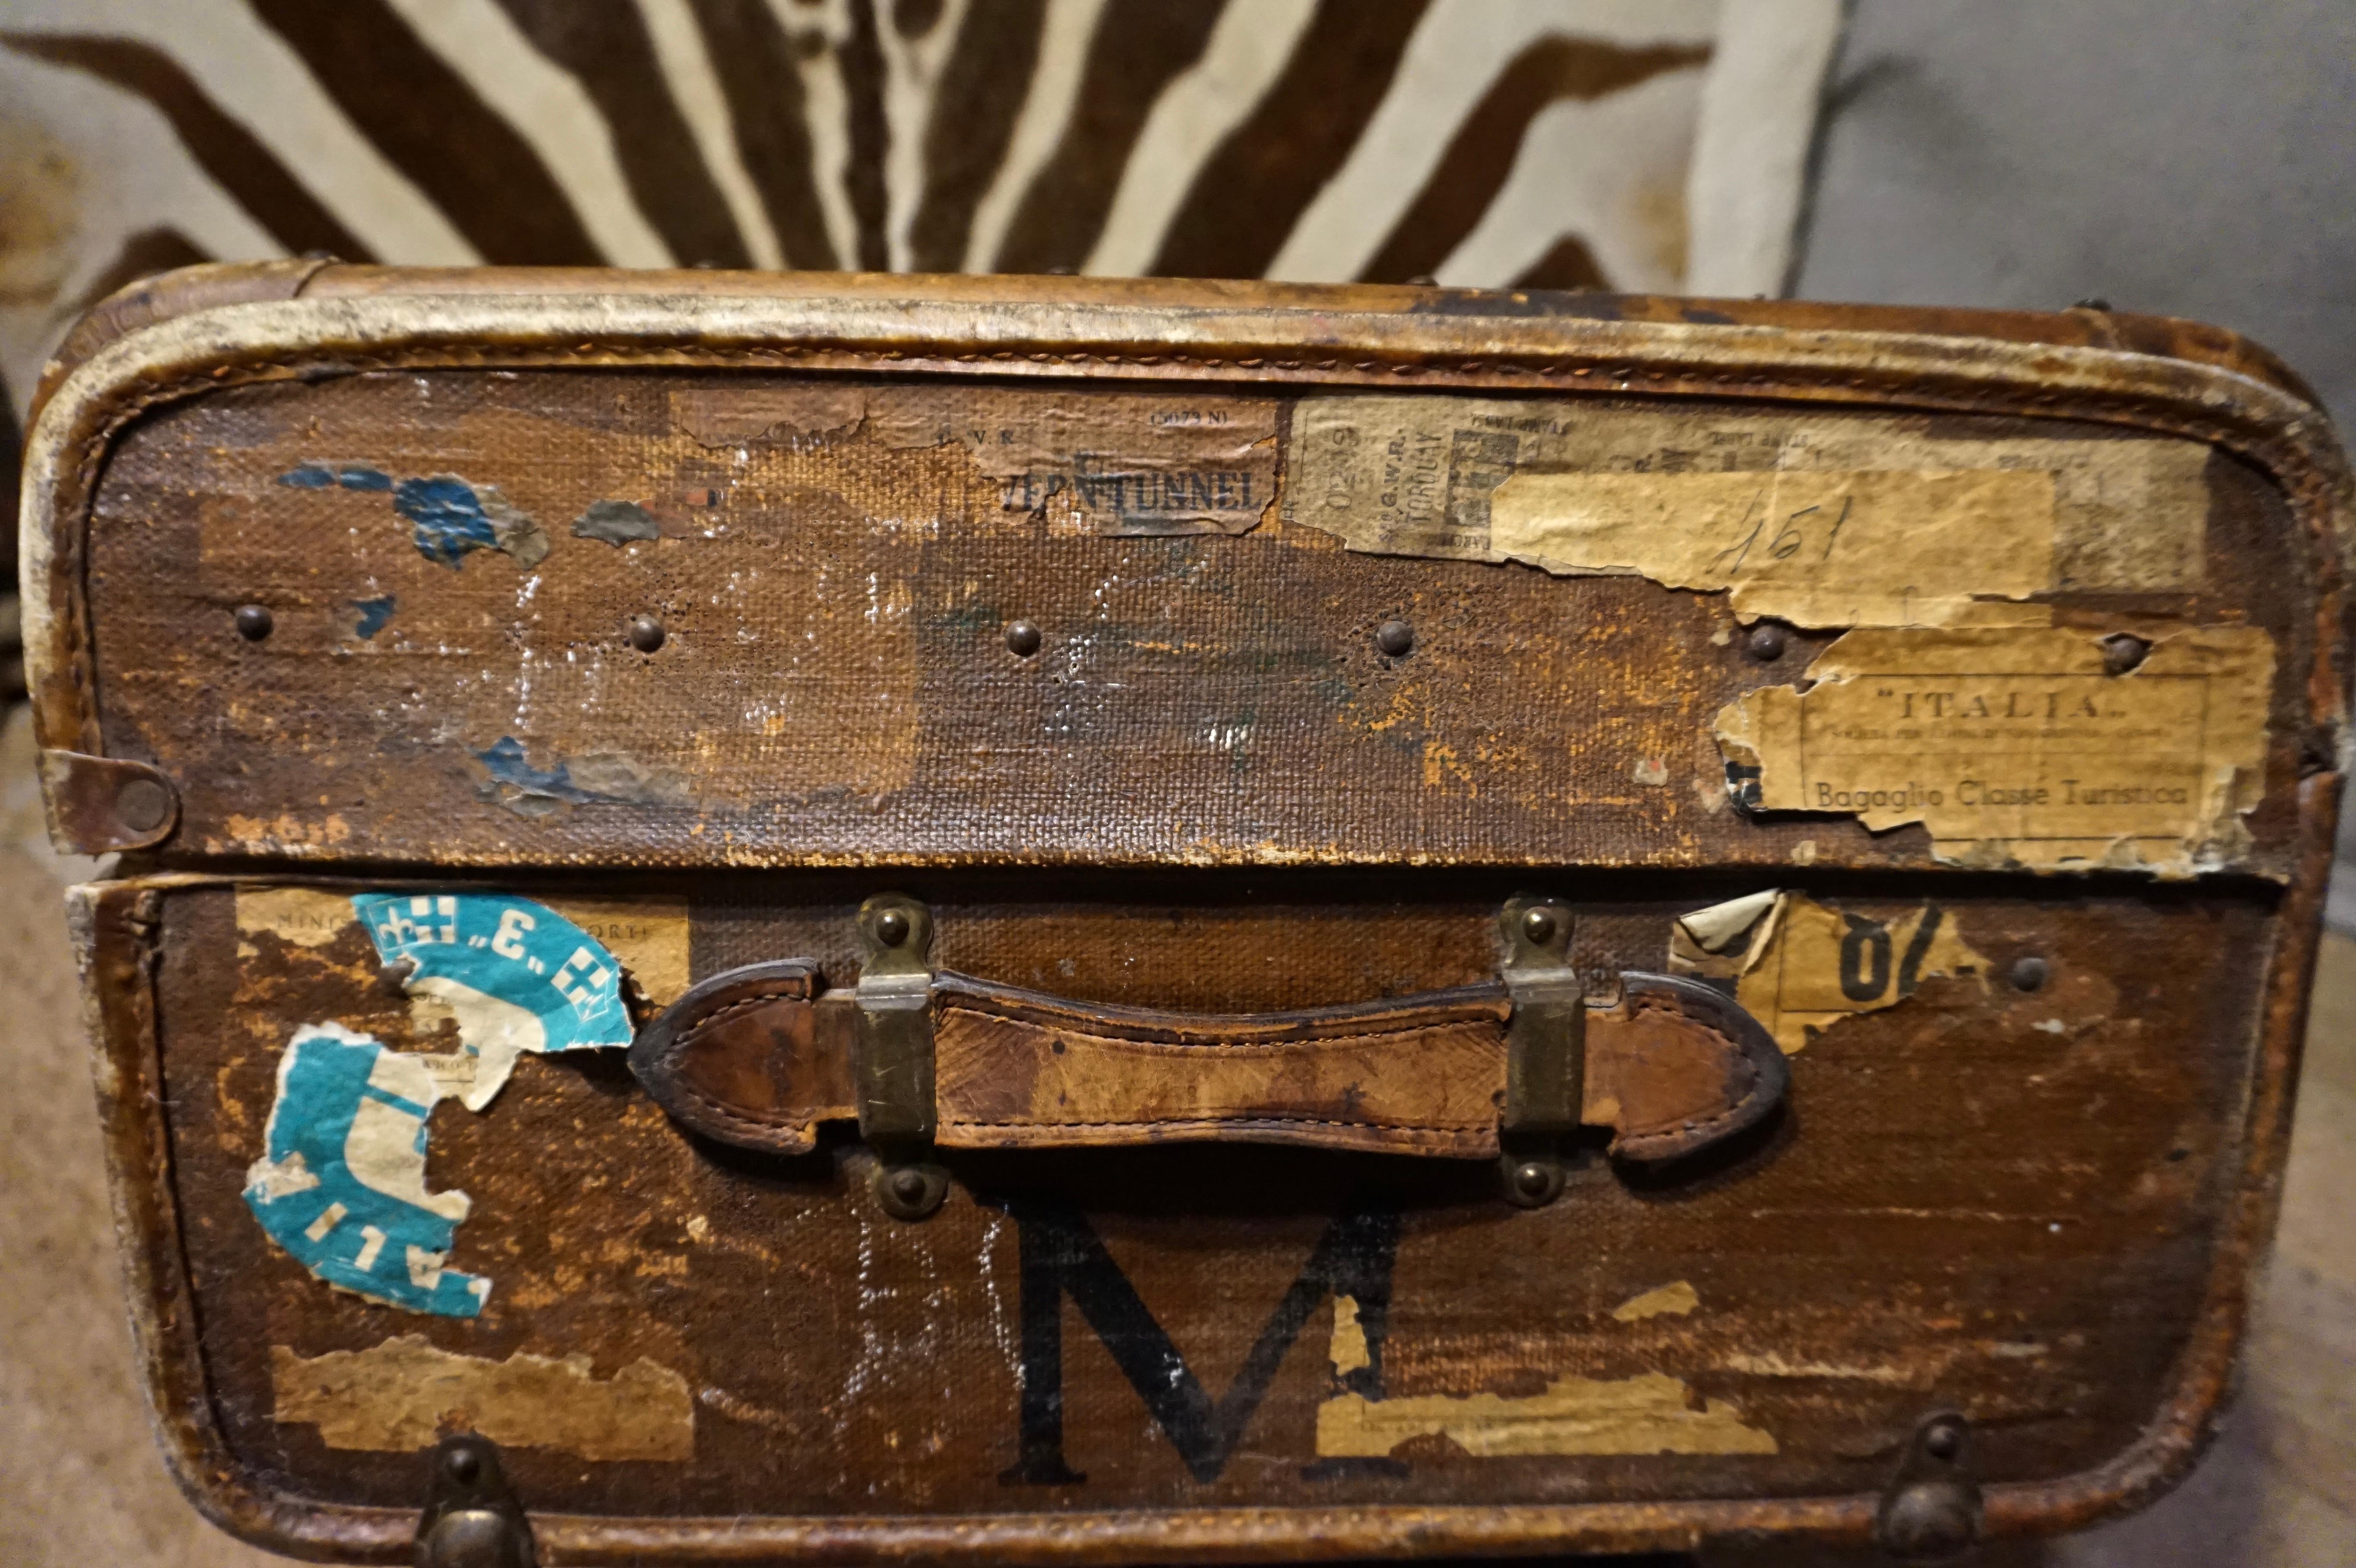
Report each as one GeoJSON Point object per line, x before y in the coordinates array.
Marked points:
{"type": "Point", "coordinates": [2186, 157]}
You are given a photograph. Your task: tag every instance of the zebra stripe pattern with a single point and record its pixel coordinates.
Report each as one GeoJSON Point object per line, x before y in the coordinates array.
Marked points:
{"type": "Point", "coordinates": [1555, 144]}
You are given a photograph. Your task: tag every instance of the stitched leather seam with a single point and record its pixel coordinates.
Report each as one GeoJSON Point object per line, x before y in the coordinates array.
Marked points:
{"type": "Point", "coordinates": [1240, 1048]}
{"type": "Point", "coordinates": [1749, 1076]}
{"type": "Point", "coordinates": [1435, 1129]}
{"type": "Point", "coordinates": [720, 1108]}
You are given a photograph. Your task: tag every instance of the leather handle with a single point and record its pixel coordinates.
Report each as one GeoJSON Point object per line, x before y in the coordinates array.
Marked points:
{"type": "Point", "coordinates": [761, 1057]}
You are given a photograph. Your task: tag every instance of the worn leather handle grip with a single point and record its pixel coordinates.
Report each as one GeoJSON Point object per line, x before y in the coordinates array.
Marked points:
{"type": "Point", "coordinates": [762, 1056]}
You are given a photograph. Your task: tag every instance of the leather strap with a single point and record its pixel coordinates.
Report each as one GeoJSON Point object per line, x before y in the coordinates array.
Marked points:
{"type": "Point", "coordinates": [760, 1057]}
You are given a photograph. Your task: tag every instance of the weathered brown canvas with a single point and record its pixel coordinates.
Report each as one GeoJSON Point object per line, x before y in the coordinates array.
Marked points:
{"type": "Point", "coordinates": [1181, 921]}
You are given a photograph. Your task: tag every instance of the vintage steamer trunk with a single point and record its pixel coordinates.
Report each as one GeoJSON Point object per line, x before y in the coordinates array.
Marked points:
{"type": "Point", "coordinates": [1179, 921]}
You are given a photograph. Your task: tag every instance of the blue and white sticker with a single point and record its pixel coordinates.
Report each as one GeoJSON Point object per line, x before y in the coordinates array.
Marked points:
{"type": "Point", "coordinates": [518, 975]}
{"type": "Point", "coordinates": [342, 1185]}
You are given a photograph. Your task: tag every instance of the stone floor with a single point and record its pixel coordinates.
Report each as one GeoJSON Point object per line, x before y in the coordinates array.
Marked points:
{"type": "Point", "coordinates": [81, 1484]}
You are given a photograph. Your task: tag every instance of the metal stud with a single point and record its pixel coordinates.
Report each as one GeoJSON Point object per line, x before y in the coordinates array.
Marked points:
{"type": "Point", "coordinates": [254, 621]}
{"type": "Point", "coordinates": [142, 805]}
{"type": "Point", "coordinates": [1532, 1183]}
{"type": "Point", "coordinates": [911, 1192]}
{"type": "Point", "coordinates": [1766, 642]}
{"type": "Point", "coordinates": [646, 633]}
{"type": "Point", "coordinates": [1538, 926]}
{"type": "Point", "coordinates": [892, 928]}
{"type": "Point", "coordinates": [2122, 652]}
{"type": "Point", "coordinates": [2031, 973]}
{"type": "Point", "coordinates": [1394, 638]}
{"type": "Point", "coordinates": [1022, 638]}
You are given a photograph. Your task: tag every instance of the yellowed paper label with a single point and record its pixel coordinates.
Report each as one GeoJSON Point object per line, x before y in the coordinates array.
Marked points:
{"type": "Point", "coordinates": [1651, 1413]}
{"type": "Point", "coordinates": [2015, 747]}
{"type": "Point", "coordinates": [395, 1397]}
{"type": "Point", "coordinates": [1800, 966]}
{"type": "Point", "coordinates": [1669, 1301]}
{"type": "Point", "coordinates": [649, 938]}
{"type": "Point", "coordinates": [1823, 519]}
{"type": "Point", "coordinates": [1817, 549]}
{"type": "Point", "coordinates": [308, 917]}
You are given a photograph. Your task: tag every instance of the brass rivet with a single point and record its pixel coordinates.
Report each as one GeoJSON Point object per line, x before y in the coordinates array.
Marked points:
{"type": "Point", "coordinates": [1767, 642]}
{"type": "Point", "coordinates": [464, 1464]}
{"type": "Point", "coordinates": [254, 621]}
{"type": "Point", "coordinates": [2030, 974]}
{"type": "Point", "coordinates": [646, 633]}
{"type": "Point", "coordinates": [892, 928]}
{"type": "Point", "coordinates": [2123, 653]}
{"type": "Point", "coordinates": [1943, 1441]}
{"type": "Point", "coordinates": [1531, 1179]}
{"type": "Point", "coordinates": [908, 1184]}
{"type": "Point", "coordinates": [1538, 926]}
{"type": "Point", "coordinates": [1021, 638]}
{"type": "Point", "coordinates": [1395, 638]}
{"type": "Point", "coordinates": [142, 805]}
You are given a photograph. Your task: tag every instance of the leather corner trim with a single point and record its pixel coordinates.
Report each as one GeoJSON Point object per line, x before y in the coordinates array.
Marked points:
{"type": "Point", "coordinates": [99, 805]}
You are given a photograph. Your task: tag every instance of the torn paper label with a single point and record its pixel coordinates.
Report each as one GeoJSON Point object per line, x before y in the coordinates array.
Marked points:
{"type": "Point", "coordinates": [341, 1187]}
{"type": "Point", "coordinates": [1651, 1413]}
{"type": "Point", "coordinates": [396, 1397]}
{"type": "Point", "coordinates": [1825, 520]}
{"type": "Point", "coordinates": [1817, 549]}
{"type": "Point", "coordinates": [517, 976]}
{"type": "Point", "coordinates": [650, 939]}
{"type": "Point", "coordinates": [2016, 748]}
{"type": "Point", "coordinates": [1799, 966]}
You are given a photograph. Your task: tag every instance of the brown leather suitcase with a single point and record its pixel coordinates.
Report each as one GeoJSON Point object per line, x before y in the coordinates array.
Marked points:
{"type": "Point", "coordinates": [1163, 920]}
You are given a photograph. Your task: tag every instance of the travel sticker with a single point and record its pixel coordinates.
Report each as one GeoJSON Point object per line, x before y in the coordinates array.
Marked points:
{"type": "Point", "coordinates": [517, 976]}
{"type": "Point", "coordinates": [342, 1185]}
{"type": "Point", "coordinates": [341, 1182]}
{"type": "Point", "coordinates": [1799, 966]}
{"type": "Point", "coordinates": [2042, 748]}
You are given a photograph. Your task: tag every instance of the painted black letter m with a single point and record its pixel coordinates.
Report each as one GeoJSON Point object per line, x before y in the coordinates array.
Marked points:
{"type": "Point", "coordinates": [1062, 1255]}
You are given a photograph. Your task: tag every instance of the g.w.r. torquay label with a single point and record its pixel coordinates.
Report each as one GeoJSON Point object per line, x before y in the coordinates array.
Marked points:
{"type": "Point", "coordinates": [2018, 747]}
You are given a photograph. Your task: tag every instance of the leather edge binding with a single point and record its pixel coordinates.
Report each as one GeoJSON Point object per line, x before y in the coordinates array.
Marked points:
{"type": "Point", "coordinates": [656, 1052]}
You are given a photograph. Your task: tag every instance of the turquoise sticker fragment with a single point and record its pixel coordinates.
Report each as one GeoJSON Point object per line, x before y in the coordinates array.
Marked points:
{"type": "Point", "coordinates": [342, 1187]}
{"type": "Point", "coordinates": [518, 975]}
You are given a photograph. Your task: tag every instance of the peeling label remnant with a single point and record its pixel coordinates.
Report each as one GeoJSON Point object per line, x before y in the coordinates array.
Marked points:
{"type": "Point", "coordinates": [308, 917]}
{"type": "Point", "coordinates": [341, 1186]}
{"type": "Point", "coordinates": [650, 939]}
{"type": "Point", "coordinates": [374, 613]}
{"type": "Point", "coordinates": [452, 517]}
{"type": "Point", "coordinates": [1669, 1301]}
{"type": "Point", "coordinates": [595, 778]}
{"type": "Point", "coordinates": [1799, 966]}
{"type": "Point", "coordinates": [615, 522]}
{"type": "Point", "coordinates": [396, 1397]}
{"type": "Point", "coordinates": [2021, 747]}
{"type": "Point", "coordinates": [1814, 548]}
{"type": "Point", "coordinates": [1650, 1413]}
{"type": "Point", "coordinates": [1349, 1350]}
{"type": "Point", "coordinates": [517, 976]}
{"type": "Point", "coordinates": [1825, 520]}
